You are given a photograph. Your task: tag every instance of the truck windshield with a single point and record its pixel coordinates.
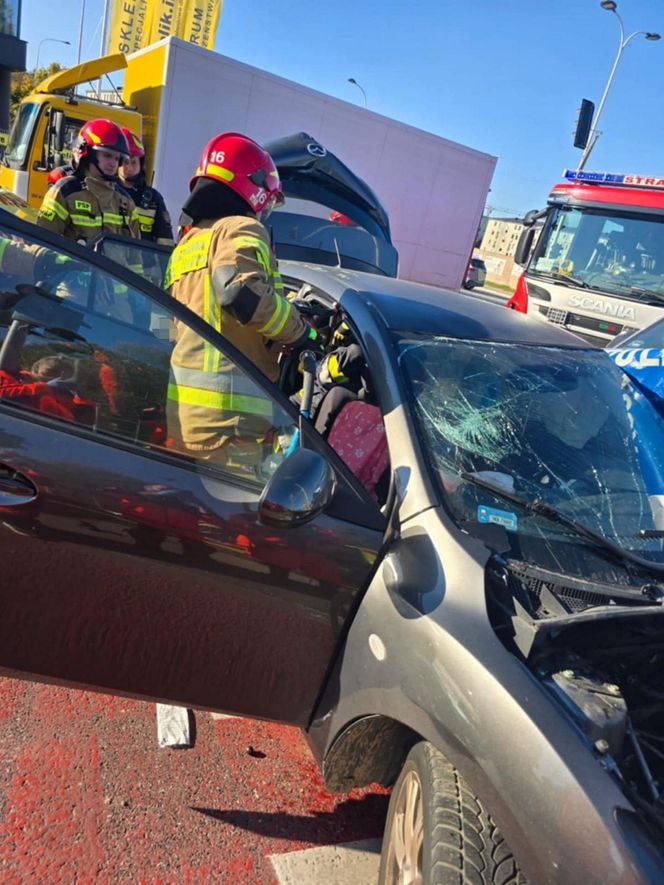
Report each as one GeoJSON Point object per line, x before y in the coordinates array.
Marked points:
{"type": "Point", "coordinates": [614, 252]}
{"type": "Point", "coordinates": [21, 133]}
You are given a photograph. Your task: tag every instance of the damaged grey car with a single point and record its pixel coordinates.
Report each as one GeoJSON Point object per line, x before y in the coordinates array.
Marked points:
{"type": "Point", "coordinates": [479, 626]}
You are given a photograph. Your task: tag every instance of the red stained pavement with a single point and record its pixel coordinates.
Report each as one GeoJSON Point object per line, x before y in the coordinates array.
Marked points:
{"type": "Point", "coordinates": [86, 795]}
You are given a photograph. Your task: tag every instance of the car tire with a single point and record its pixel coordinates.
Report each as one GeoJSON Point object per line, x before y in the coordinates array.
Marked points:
{"type": "Point", "coordinates": [438, 833]}
{"type": "Point", "coordinates": [468, 286]}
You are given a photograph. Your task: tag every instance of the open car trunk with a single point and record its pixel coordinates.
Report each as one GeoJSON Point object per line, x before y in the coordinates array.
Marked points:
{"type": "Point", "coordinates": [331, 215]}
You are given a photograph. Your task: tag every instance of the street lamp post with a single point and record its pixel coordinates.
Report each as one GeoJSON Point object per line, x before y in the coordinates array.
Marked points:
{"type": "Point", "coordinates": [47, 40]}
{"type": "Point", "coordinates": [80, 33]}
{"type": "Point", "coordinates": [611, 6]}
{"type": "Point", "coordinates": [355, 83]}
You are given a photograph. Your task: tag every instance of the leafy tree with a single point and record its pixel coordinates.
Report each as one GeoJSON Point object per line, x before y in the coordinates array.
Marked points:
{"type": "Point", "coordinates": [22, 84]}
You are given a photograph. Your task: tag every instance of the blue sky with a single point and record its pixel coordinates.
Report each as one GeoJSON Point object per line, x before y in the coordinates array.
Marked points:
{"type": "Point", "coordinates": [503, 77]}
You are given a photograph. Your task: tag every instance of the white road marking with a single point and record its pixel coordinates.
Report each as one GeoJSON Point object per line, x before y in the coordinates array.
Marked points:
{"type": "Point", "coordinates": [353, 863]}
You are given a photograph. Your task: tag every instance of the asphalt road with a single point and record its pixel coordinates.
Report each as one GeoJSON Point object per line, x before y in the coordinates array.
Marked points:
{"type": "Point", "coordinates": [87, 795]}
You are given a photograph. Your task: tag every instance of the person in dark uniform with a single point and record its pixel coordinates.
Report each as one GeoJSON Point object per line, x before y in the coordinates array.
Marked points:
{"type": "Point", "coordinates": [153, 217]}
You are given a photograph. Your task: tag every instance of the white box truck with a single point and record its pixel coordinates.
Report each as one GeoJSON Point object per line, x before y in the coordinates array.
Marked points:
{"type": "Point", "coordinates": [179, 95]}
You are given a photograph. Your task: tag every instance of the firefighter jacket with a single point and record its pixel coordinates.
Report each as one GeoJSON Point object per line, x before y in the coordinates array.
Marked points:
{"type": "Point", "coordinates": [209, 401]}
{"type": "Point", "coordinates": [81, 209]}
{"type": "Point", "coordinates": [27, 261]}
{"type": "Point", "coordinates": [153, 218]}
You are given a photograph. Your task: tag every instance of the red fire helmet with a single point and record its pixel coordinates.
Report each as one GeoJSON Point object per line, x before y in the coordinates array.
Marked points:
{"type": "Point", "coordinates": [243, 165]}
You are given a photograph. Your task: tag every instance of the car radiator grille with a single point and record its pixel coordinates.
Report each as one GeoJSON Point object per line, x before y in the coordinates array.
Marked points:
{"type": "Point", "coordinates": [556, 315]}
{"type": "Point", "coordinates": [595, 329]}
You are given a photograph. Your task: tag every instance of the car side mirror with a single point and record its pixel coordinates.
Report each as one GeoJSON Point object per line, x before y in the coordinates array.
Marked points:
{"type": "Point", "coordinates": [57, 124]}
{"type": "Point", "coordinates": [300, 489]}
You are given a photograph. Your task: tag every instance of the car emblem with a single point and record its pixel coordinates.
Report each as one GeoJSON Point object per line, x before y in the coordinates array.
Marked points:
{"type": "Point", "coordinates": [316, 150]}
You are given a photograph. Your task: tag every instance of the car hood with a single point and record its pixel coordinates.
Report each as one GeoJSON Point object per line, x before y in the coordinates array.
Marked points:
{"type": "Point", "coordinates": [360, 239]}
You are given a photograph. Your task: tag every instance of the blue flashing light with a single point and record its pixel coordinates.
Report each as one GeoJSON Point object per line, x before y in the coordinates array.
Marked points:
{"type": "Point", "coordinates": [601, 177]}
{"type": "Point", "coordinates": [622, 179]}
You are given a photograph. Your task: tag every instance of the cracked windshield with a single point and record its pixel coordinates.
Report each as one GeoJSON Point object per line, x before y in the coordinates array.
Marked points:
{"type": "Point", "coordinates": [607, 251]}
{"type": "Point", "coordinates": [537, 423]}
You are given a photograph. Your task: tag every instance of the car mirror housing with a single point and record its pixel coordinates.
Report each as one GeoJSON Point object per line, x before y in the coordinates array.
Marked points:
{"type": "Point", "coordinates": [300, 489]}
{"type": "Point", "coordinates": [524, 246]}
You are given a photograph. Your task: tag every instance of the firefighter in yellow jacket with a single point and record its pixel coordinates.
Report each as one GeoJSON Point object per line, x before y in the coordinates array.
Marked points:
{"type": "Point", "coordinates": [91, 201]}
{"type": "Point", "coordinates": [224, 270]}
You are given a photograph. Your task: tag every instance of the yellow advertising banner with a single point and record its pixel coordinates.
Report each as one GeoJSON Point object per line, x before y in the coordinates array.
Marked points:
{"type": "Point", "coordinates": [129, 28]}
{"type": "Point", "coordinates": [165, 19]}
{"type": "Point", "coordinates": [199, 22]}
{"type": "Point", "coordinates": [135, 24]}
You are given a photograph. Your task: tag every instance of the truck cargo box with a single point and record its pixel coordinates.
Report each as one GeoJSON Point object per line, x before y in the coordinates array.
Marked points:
{"type": "Point", "coordinates": [434, 190]}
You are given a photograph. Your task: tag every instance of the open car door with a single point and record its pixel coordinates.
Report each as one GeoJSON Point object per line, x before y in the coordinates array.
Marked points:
{"type": "Point", "coordinates": [129, 565]}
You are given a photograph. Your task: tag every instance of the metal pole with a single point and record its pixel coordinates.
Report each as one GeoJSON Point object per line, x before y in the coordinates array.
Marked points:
{"type": "Point", "coordinates": [80, 33]}
{"type": "Point", "coordinates": [592, 138]}
{"type": "Point", "coordinates": [102, 47]}
{"type": "Point", "coordinates": [355, 83]}
{"type": "Point", "coordinates": [48, 40]}
{"type": "Point", "coordinates": [594, 134]}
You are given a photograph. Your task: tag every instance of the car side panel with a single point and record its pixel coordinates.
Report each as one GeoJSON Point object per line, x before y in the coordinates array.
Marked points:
{"type": "Point", "coordinates": [421, 651]}
{"type": "Point", "coordinates": [131, 574]}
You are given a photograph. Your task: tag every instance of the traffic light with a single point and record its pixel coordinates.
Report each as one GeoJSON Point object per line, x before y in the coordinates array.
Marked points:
{"type": "Point", "coordinates": [583, 123]}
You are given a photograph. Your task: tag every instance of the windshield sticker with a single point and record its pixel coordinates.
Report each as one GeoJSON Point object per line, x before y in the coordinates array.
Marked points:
{"type": "Point", "coordinates": [500, 517]}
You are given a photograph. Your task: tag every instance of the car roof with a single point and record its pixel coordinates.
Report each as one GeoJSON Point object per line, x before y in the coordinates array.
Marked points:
{"type": "Point", "coordinates": [408, 307]}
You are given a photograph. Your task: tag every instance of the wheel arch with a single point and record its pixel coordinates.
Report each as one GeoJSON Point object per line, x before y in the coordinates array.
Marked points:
{"type": "Point", "coordinates": [371, 749]}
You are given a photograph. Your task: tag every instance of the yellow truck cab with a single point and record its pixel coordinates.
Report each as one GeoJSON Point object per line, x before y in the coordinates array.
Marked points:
{"type": "Point", "coordinates": [48, 122]}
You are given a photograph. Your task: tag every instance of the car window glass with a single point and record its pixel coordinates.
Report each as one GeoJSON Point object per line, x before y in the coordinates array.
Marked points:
{"type": "Point", "coordinates": [71, 130]}
{"type": "Point", "coordinates": [517, 415]}
{"type": "Point", "coordinates": [70, 134]}
{"type": "Point", "coordinates": [79, 345]}
{"type": "Point", "coordinates": [144, 258]}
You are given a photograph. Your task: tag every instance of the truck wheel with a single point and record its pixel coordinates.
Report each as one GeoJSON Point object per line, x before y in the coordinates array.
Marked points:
{"type": "Point", "coordinates": [438, 833]}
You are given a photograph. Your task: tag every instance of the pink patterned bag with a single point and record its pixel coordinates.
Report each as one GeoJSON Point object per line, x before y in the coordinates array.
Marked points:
{"type": "Point", "coordinates": [358, 437]}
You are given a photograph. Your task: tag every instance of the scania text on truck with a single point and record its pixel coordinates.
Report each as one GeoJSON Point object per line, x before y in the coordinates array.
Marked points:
{"type": "Point", "coordinates": [433, 189]}
{"type": "Point", "coordinates": [597, 267]}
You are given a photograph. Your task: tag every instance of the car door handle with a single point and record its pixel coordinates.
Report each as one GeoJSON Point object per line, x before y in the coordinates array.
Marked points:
{"type": "Point", "coordinates": [15, 488]}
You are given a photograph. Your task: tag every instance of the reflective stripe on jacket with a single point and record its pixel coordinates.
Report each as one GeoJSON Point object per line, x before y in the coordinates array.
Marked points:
{"type": "Point", "coordinates": [208, 398]}
{"type": "Point", "coordinates": [153, 218]}
{"type": "Point", "coordinates": [82, 209]}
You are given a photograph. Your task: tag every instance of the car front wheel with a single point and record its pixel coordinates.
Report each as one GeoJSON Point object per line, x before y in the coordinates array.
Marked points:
{"type": "Point", "coordinates": [438, 833]}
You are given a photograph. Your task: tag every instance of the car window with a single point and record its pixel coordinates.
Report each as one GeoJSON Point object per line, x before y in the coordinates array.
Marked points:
{"type": "Point", "coordinates": [71, 129]}
{"type": "Point", "coordinates": [517, 415]}
{"type": "Point", "coordinates": [70, 133]}
{"type": "Point", "coordinates": [147, 259]}
{"type": "Point", "coordinates": [80, 345]}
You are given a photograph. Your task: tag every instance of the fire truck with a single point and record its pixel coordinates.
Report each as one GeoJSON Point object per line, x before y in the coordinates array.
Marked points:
{"type": "Point", "coordinates": [597, 266]}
